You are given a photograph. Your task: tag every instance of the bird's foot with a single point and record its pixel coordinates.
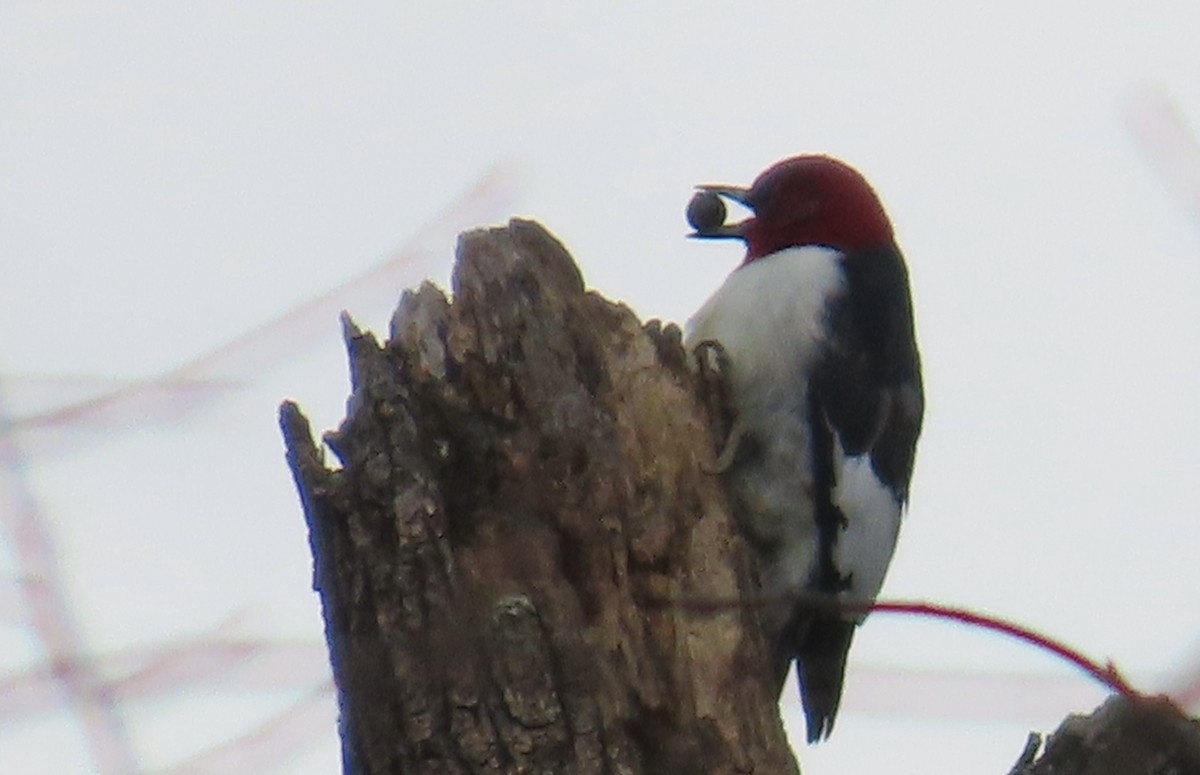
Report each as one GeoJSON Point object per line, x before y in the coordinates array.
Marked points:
{"type": "Point", "coordinates": [713, 368]}
{"type": "Point", "coordinates": [727, 452]}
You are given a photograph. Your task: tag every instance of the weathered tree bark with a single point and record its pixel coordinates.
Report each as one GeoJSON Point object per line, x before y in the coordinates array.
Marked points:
{"type": "Point", "coordinates": [1125, 736]}
{"type": "Point", "coordinates": [517, 558]}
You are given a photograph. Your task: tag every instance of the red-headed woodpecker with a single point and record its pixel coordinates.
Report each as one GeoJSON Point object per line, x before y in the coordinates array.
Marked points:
{"type": "Point", "coordinates": [824, 381]}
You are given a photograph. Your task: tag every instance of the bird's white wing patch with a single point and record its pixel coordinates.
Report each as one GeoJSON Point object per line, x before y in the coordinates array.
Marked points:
{"type": "Point", "coordinates": [864, 548]}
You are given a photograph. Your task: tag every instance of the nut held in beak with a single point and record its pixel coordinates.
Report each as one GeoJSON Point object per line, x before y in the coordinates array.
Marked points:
{"type": "Point", "coordinates": [706, 212]}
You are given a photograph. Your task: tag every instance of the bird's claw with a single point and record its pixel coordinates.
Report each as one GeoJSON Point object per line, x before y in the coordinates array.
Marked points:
{"type": "Point", "coordinates": [728, 450]}
{"type": "Point", "coordinates": [713, 368]}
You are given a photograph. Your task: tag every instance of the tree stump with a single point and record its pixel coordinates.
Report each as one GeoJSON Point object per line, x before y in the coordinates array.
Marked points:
{"type": "Point", "coordinates": [523, 564]}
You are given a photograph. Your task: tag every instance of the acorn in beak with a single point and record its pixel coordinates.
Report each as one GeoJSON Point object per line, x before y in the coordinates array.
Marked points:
{"type": "Point", "coordinates": [706, 212]}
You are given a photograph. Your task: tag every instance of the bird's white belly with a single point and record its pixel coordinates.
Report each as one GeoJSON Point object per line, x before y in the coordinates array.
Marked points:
{"type": "Point", "coordinates": [770, 316]}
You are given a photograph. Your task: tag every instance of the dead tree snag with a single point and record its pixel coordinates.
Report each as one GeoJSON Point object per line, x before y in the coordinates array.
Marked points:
{"type": "Point", "coordinates": [521, 496]}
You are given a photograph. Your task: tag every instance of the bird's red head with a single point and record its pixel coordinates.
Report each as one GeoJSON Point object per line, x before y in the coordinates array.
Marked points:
{"type": "Point", "coordinates": [804, 200]}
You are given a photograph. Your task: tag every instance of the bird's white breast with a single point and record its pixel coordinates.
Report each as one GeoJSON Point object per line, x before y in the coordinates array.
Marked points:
{"type": "Point", "coordinates": [769, 315]}
{"type": "Point", "coordinates": [770, 318]}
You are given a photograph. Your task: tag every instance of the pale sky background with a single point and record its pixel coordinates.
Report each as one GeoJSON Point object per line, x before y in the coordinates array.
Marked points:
{"type": "Point", "coordinates": [172, 177]}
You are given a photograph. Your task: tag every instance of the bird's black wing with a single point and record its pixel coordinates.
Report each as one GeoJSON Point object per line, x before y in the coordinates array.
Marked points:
{"type": "Point", "coordinates": [868, 379]}
{"type": "Point", "coordinates": [865, 394]}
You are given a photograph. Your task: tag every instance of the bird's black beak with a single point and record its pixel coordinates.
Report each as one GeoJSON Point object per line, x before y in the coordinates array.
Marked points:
{"type": "Point", "coordinates": [706, 212]}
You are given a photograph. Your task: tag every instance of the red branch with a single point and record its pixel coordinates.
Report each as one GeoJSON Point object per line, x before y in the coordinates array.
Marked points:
{"type": "Point", "coordinates": [1106, 674]}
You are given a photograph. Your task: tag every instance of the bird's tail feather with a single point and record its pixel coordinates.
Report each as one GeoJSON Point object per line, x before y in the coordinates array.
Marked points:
{"type": "Point", "coordinates": [821, 669]}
